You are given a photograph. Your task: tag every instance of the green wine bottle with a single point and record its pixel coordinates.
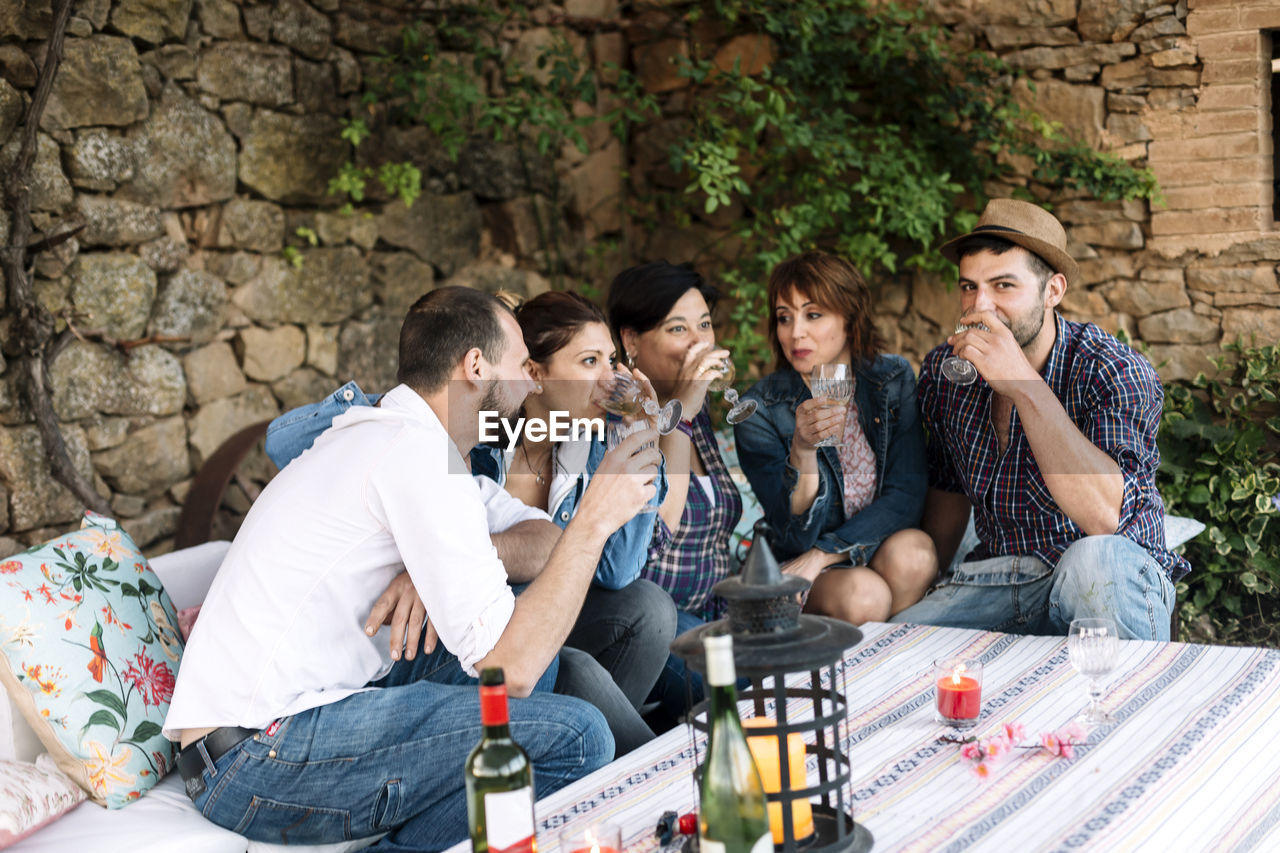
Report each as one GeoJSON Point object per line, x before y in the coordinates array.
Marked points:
{"type": "Point", "coordinates": [499, 779]}
{"type": "Point", "coordinates": [732, 813]}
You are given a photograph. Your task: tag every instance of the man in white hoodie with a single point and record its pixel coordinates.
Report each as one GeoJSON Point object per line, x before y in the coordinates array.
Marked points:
{"type": "Point", "coordinates": [296, 726]}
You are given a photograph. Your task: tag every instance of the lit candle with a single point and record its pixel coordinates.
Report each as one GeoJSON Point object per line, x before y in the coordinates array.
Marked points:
{"type": "Point", "coordinates": [765, 751]}
{"type": "Point", "coordinates": [959, 684]}
{"type": "Point", "coordinates": [595, 838]}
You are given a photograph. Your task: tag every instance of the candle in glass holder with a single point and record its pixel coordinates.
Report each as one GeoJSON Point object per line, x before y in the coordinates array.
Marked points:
{"type": "Point", "coordinates": [959, 691]}
{"type": "Point", "coordinates": [765, 750]}
{"type": "Point", "coordinates": [592, 838]}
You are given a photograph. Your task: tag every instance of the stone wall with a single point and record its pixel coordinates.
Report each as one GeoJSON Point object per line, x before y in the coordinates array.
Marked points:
{"type": "Point", "coordinates": [192, 139]}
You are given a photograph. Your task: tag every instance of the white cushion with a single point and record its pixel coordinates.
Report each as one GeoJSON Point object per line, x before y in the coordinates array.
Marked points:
{"type": "Point", "coordinates": [187, 574]}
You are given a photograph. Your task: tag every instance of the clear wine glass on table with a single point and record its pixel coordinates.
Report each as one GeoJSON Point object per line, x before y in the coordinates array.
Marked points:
{"type": "Point", "coordinates": [960, 370]}
{"type": "Point", "coordinates": [1094, 644]}
{"type": "Point", "coordinates": [833, 382]}
{"type": "Point", "coordinates": [623, 395]}
{"type": "Point", "coordinates": [741, 409]}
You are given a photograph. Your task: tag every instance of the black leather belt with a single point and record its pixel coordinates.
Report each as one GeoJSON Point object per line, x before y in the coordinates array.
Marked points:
{"type": "Point", "coordinates": [216, 743]}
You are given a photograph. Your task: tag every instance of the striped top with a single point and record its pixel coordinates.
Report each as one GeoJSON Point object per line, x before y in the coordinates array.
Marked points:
{"type": "Point", "coordinates": [691, 560]}
{"type": "Point", "coordinates": [1110, 393]}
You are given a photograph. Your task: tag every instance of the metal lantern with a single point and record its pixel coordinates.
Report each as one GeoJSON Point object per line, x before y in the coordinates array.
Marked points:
{"type": "Point", "coordinates": [773, 644]}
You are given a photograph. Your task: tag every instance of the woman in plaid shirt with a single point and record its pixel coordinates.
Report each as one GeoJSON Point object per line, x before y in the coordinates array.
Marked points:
{"type": "Point", "coordinates": [661, 314]}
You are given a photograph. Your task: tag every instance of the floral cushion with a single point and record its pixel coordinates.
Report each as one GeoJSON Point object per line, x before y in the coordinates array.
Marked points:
{"type": "Point", "coordinates": [32, 795]}
{"type": "Point", "coordinates": [90, 653]}
{"type": "Point", "coordinates": [751, 510]}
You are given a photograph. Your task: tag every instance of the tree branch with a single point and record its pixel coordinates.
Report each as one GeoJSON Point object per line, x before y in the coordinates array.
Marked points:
{"type": "Point", "coordinates": [33, 326]}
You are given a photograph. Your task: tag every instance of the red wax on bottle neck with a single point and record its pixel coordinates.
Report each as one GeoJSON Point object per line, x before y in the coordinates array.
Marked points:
{"type": "Point", "coordinates": [493, 705]}
{"type": "Point", "coordinates": [959, 699]}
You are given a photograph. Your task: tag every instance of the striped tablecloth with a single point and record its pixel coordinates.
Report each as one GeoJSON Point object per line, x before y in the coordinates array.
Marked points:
{"type": "Point", "coordinates": [1192, 763]}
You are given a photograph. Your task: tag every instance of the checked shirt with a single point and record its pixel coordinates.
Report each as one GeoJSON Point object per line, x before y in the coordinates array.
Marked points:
{"type": "Point", "coordinates": [1111, 394]}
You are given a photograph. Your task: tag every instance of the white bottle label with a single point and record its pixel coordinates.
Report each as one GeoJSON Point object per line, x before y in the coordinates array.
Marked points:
{"type": "Point", "coordinates": [508, 817]}
{"type": "Point", "coordinates": [764, 844]}
{"type": "Point", "coordinates": [706, 845]}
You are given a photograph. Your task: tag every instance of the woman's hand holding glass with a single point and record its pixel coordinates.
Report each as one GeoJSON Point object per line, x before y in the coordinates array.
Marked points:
{"type": "Point", "coordinates": [820, 420]}
{"type": "Point", "coordinates": [631, 397]}
{"type": "Point", "coordinates": [702, 366]}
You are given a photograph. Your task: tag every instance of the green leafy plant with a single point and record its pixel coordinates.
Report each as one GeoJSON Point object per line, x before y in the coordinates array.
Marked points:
{"type": "Point", "coordinates": [1220, 448]}
{"type": "Point", "coordinates": [866, 135]}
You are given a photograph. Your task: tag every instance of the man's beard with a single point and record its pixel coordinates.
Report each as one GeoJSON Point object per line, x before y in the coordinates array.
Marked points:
{"type": "Point", "coordinates": [494, 401]}
{"type": "Point", "coordinates": [1027, 327]}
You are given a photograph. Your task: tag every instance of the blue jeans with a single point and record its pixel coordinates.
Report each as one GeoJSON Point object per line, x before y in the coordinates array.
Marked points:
{"type": "Point", "coordinates": [1097, 576]}
{"type": "Point", "coordinates": [390, 761]}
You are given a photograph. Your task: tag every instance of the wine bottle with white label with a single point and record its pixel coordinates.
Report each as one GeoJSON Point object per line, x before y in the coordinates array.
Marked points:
{"type": "Point", "coordinates": [499, 778]}
{"type": "Point", "coordinates": [732, 814]}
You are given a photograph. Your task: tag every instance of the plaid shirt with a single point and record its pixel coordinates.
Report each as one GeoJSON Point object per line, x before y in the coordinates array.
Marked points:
{"type": "Point", "coordinates": [1110, 393]}
{"type": "Point", "coordinates": [688, 562]}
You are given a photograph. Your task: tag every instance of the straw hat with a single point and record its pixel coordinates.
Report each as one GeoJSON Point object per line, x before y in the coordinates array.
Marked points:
{"type": "Point", "coordinates": [1024, 224]}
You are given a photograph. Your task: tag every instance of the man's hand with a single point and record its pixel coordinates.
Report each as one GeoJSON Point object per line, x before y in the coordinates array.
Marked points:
{"type": "Point", "coordinates": [623, 484]}
{"type": "Point", "coordinates": [994, 352]}
{"type": "Point", "coordinates": [817, 419]}
{"type": "Point", "coordinates": [400, 607]}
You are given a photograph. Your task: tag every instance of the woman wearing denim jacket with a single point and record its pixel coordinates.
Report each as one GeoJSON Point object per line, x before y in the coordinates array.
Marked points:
{"type": "Point", "coordinates": [844, 517]}
{"type": "Point", "coordinates": [626, 622]}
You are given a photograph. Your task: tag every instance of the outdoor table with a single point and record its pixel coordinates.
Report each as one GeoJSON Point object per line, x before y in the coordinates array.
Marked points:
{"type": "Point", "coordinates": [1191, 763]}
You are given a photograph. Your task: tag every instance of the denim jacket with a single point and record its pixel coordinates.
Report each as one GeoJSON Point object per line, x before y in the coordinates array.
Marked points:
{"type": "Point", "coordinates": [625, 552]}
{"type": "Point", "coordinates": [886, 397]}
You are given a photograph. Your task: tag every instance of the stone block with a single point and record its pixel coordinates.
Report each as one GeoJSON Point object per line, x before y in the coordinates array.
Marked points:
{"type": "Point", "coordinates": [151, 460]}
{"type": "Point", "coordinates": [1081, 73]}
{"type": "Point", "coordinates": [1181, 325]}
{"type": "Point", "coordinates": [174, 61]}
{"type": "Point", "coordinates": [932, 299]}
{"type": "Point", "coordinates": [234, 267]}
{"type": "Point", "coordinates": [16, 67]}
{"type": "Point", "coordinates": [219, 18]}
{"type": "Point", "coordinates": [599, 9]}
{"type": "Point", "coordinates": [214, 423]}
{"type": "Point", "coordinates": [322, 348]}
{"type": "Point", "coordinates": [1235, 300]}
{"type": "Point", "coordinates": [247, 224]}
{"type": "Point", "coordinates": [400, 279]}
{"type": "Point", "coordinates": [99, 82]}
{"type": "Point", "coordinates": [367, 28]}
{"type": "Point", "coordinates": [112, 222]}
{"type": "Point", "coordinates": [1234, 71]}
{"type": "Point", "coordinates": [1126, 128]}
{"type": "Point", "coordinates": [1138, 73]}
{"type": "Point", "coordinates": [270, 354]}
{"type": "Point", "coordinates": [1140, 298]}
{"type": "Point", "coordinates": [290, 159]}
{"type": "Point", "coordinates": [1205, 221]}
{"type": "Point", "coordinates": [1115, 235]}
{"type": "Point", "coordinates": [100, 160]}
{"type": "Point", "coordinates": [1177, 363]}
{"type": "Point", "coordinates": [595, 190]}
{"type": "Point", "coordinates": [1237, 121]}
{"type": "Point", "coordinates": [1221, 195]}
{"type": "Point", "coordinates": [212, 373]}
{"type": "Point", "coordinates": [656, 65]}
{"type": "Point", "coordinates": [1175, 57]}
{"type": "Point", "coordinates": [88, 379]}
{"type": "Point", "coordinates": [1261, 17]}
{"type": "Point", "coordinates": [243, 71]}
{"type": "Point", "coordinates": [443, 230]}
{"type": "Point", "coordinates": [1191, 172]}
{"type": "Point", "coordinates": [191, 304]}
{"type": "Point", "coordinates": [1255, 326]}
{"type": "Point", "coordinates": [1083, 304]}
{"type": "Point", "coordinates": [501, 171]}
{"type": "Point", "coordinates": [302, 28]}
{"type": "Point", "coordinates": [610, 51]}
{"type": "Point", "coordinates": [1237, 45]}
{"type": "Point", "coordinates": [748, 54]}
{"type": "Point", "coordinates": [1206, 21]}
{"type": "Point", "coordinates": [1166, 25]}
{"type": "Point", "coordinates": [1088, 211]}
{"type": "Point", "coordinates": [1221, 147]}
{"type": "Point", "coordinates": [11, 109]}
{"type": "Point", "coordinates": [1081, 109]}
{"type": "Point", "coordinates": [1103, 269]}
{"type": "Point", "coordinates": [1220, 96]}
{"type": "Point", "coordinates": [336, 229]}
{"type": "Point", "coordinates": [1121, 103]}
{"type": "Point", "coordinates": [302, 386]}
{"type": "Point", "coordinates": [184, 156]}
{"type": "Point", "coordinates": [153, 21]}
{"type": "Point", "coordinates": [1001, 37]}
{"type": "Point", "coordinates": [1254, 279]}
{"type": "Point", "coordinates": [331, 286]}
{"type": "Point", "coordinates": [104, 433]}
{"type": "Point", "coordinates": [114, 291]}
{"type": "Point", "coordinates": [367, 350]}
{"type": "Point", "coordinates": [347, 70]}
{"type": "Point", "coordinates": [315, 89]}
{"type": "Point", "coordinates": [1026, 13]}
{"type": "Point", "coordinates": [35, 497]}
{"type": "Point", "coordinates": [1051, 58]}
{"type": "Point", "coordinates": [50, 189]}
{"type": "Point", "coordinates": [1172, 98]}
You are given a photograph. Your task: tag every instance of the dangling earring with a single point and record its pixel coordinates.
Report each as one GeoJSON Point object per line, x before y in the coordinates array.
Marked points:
{"type": "Point", "coordinates": [631, 360]}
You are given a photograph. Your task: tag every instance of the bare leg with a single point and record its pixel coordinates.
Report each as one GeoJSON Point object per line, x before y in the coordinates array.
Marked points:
{"type": "Point", "coordinates": [908, 563]}
{"type": "Point", "coordinates": [855, 595]}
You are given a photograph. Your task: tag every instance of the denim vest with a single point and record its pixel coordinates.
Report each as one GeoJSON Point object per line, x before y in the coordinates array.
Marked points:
{"type": "Point", "coordinates": [886, 397]}
{"type": "Point", "coordinates": [624, 554]}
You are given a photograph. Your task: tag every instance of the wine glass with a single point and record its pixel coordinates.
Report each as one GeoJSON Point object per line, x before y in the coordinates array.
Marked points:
{"type": "Point", "coordinates": [622, 395]}
{"type": "Point", "coordinates": [742, 409]}
{"type": "Point", "coordinates": [960, 370]}
{"type": "Point", "coordinates": [1093, 645]}
{"type": "Point", "coordinates": [835, 383]}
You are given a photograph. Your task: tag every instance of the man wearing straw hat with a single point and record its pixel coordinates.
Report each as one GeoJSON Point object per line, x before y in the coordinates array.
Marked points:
{"type": "Point", "coordinates": [1052, 447]}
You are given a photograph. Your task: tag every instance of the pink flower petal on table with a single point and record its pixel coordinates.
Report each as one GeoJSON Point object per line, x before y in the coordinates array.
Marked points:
{"type": "Point", "coordinates": [1049, 740]}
